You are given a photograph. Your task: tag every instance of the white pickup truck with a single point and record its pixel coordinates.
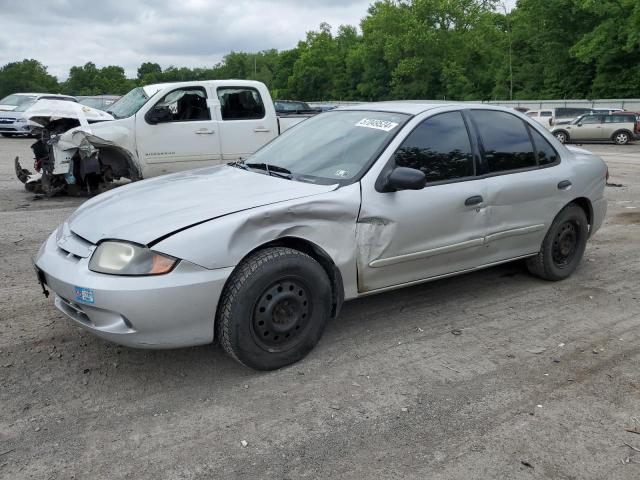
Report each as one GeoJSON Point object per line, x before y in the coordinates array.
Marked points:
{"type": "Point", "coordinates": [156, 129]}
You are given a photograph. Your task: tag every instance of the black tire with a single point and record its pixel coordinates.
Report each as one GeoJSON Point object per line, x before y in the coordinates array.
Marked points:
{"type": "Point", "coordinates": [562, 136]}
{"type": "Point", "coordinates": [274, 308]}
{"type": "Point", "coordinates": [563, 245]}
{"type": "Point", "coordinates": [621, 137]}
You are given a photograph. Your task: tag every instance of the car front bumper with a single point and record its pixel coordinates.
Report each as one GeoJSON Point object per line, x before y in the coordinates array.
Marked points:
{"type": "Point", "coordinates": [163, 311]}
{"type": "Point", "coordinates": [15, 128]}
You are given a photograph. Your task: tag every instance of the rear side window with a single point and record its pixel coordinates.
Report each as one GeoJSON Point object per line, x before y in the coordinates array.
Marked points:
{"type": "Point", "coordinates": [439, 147]}
{"type": "Point", "coordinates": [619, 119]}
{"type": "Point", "coordinates": [505, 139]}
{"type": "Point", "coordinates": [544, 151]}
{"type": "Point", "coordinates": [238, 103]}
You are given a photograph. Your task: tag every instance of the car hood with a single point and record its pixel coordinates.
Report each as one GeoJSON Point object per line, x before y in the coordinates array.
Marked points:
{"type": "Point", "coordinates": [145, 211]}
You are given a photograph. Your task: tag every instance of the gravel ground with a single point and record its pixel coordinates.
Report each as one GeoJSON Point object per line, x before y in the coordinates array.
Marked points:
{"type": "Point", "coordinates": [489, 375]}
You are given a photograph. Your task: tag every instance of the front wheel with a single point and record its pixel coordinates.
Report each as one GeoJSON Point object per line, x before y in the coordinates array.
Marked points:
{"type": "Point", "coordinates": [561, 136]}
{"type": "Point", "coordinates": [563, 246]}
{"type": "Point", "coordinates": [274, 308]}
{"type": "Point", "coordinates": [621, 138]}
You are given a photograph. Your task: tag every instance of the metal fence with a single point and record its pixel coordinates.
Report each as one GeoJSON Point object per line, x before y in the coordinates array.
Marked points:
{"type": "Point", "coordinates": [632, 104]}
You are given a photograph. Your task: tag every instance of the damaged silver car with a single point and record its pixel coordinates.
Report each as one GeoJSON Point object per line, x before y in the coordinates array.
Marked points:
{"type": "Point", "coordinates": [260, 254]}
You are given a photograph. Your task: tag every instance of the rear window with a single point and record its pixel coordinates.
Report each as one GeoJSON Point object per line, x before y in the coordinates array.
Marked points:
{"type": "Point", "coordinates": [505, 139]}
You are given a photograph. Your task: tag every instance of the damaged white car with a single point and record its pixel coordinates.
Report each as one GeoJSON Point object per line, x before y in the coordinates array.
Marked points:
{"type": "Point", "coordinates": [154, 130]}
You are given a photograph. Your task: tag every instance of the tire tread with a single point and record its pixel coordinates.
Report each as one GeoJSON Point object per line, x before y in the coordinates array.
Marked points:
{"type": "Point", "coordinates": [232, 289]}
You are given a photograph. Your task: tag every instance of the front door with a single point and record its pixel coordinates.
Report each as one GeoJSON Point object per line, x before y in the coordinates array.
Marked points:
{"type": "Point", "coordinates": [178, 132]}
{"type": "Point", "coordinates": [412, 235]}
{"type": "Point", "coordinates": [588, 128]}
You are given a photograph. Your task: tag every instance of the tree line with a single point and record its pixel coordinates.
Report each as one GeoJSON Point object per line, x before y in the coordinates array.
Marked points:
{"type": "Point", "coordinates": [407, 49]}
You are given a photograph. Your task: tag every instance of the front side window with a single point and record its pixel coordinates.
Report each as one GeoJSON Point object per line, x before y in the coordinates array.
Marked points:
{"type": "Point", "coordinates": [546, 114]}
{"type": "Point", "coordinates": [591, 119]}
{"type": "Point", "coordinates": [505, 139]}
{"type": "Point", "coordinates": [439, 147]}
{"type": "Point", "coordinates": [239, 103]}
{"type": "Point", "coordinates": [332, 147]}
{"type": "Point", "coordinates": [186, 104]}
{"type": "Point", "coordinates": [544, 151]}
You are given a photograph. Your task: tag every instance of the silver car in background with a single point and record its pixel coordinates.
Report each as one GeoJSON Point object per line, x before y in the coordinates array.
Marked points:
{"type": "Point", "coordinates": [349, 203]}
{"type": "Point", "coordinates": [12, 108]}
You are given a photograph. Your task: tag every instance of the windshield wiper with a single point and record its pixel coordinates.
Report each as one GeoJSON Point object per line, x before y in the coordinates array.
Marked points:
{"type": "Point", "coordinates": [272, 170]}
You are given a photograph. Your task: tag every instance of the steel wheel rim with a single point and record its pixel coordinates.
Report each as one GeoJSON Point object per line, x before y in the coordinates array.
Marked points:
{"type": "Point", "coordinates": [621, 138]}
{"type": "Point", "coordinates": [565, 244]}
{"type": "Point", "coordinates": [280, 316]}
{"type": "Point", "coordinates": [561, 137]}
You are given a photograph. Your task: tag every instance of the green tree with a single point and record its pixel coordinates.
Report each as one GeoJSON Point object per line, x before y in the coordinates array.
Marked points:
{"type": "Point", "coordinates": [26, 76]}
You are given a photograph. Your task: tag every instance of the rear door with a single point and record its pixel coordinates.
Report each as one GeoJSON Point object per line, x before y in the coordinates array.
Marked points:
{"type": "Point", "coordinates": [246, 123]}
{"type": "Point", "coordinates": [522, 172]}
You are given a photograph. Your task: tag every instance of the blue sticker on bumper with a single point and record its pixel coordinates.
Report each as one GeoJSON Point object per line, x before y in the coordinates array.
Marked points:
{"type": "Point", "coordinates": [84, 295]}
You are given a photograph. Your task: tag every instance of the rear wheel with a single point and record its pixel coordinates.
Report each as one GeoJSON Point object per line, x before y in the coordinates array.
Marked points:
{"type": "Point", "coordinates": [274, 308]}
{"type": "Point", "coordinates": [621, 138]}
{"type": "Point", "coordinates": [563, 246]}
{"type": "Point", "coordinates": [561, 136]}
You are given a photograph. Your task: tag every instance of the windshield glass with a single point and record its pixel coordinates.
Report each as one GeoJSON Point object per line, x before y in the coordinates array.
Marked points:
{"type": "Point", "coordinates": [333, 147]}
{"type": "Point", "coordinates": [129, 104]}
{"type": "Point", "coordinates": [17, 100]}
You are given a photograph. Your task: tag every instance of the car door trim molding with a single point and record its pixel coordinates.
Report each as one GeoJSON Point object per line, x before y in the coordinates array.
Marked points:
{"type": "Point", "coordinates": [408, 257]}
{"type": "Point", "coordinates": [513, 232]}
{"type": "Point", "coordinates": [476, 242]}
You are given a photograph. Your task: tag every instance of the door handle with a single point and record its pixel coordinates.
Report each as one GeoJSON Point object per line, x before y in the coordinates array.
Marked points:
{"type": "Point", "coordinates": [261, 129]}
{"type": "Point", "coordinates": [473, 201]}
{"type": "Point", "coordinates": [564, 184]}
{"type": "Point", "coordinates": [204, 131]}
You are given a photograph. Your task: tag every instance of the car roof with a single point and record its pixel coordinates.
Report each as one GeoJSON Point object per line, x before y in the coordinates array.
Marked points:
{"type": "Point", "coordinates": [415, 107]}
{"type": "Point", "coordinates": [155, 87]}
{"type": "Point", "coordinates": [43, 95]}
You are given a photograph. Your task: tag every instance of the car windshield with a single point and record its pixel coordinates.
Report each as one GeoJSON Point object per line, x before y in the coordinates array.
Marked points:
{"type": "Point", "coordinates": [129, 104]}
{"type": "Point", "coordinates": [333, 147]}
{"type": "Point", "coordinates": [17, 100]}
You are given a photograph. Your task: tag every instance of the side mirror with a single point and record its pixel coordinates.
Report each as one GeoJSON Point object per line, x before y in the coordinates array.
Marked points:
{"type": "Point", "coordinates": [404, 178]}
{"type": "Point", "coordinates": [159, 114]}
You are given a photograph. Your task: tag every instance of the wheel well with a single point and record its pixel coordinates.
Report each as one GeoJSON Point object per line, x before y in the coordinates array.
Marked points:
{"type": "Point", "coordinates": [320, 256]}
{"type": "Point", "coordinates": [561, 130]}
{"type": "Point", "coordinates": [585, 204]}
{"type": "Point", "coordinates": [628, 132]}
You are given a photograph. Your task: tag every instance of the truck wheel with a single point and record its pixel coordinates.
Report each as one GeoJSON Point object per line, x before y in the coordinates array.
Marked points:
{"type": "Point", "coordinates": [274, 308]}
{"type": "Point", "coordinates": [621, 138]}
{"type": "Point", "coordinates": [561, 136]}
{"type": "Point", "coordinates": [563, 245]}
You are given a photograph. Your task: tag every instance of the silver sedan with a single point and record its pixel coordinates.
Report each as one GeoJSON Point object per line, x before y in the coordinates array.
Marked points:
{"type": "Point", "coordinates": [352, 202]}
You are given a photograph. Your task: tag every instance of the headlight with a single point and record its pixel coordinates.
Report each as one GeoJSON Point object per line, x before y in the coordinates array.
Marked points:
{"type": "Point", "coordinates": [123, 258]}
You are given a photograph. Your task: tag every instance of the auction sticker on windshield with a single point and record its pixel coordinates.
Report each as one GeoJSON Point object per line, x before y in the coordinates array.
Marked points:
{"type": "Point", "coordinates": [377, 124]}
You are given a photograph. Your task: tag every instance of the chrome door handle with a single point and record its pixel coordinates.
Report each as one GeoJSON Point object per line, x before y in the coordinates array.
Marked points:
{"type": "Point", "coordinates": [564, 184]}
{"type": "Point", "coordinates": [204, 131]}
{"type": "Point", "coordinates": [473, 201]}
{"type": "Point", "coordinates": [261, 129]}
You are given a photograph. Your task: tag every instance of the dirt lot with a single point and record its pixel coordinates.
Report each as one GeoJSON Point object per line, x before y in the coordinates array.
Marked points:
{"type": "Point", "coordinates": [537, 380]}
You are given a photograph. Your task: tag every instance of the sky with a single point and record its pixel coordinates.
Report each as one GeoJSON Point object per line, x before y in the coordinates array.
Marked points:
{"type": "Point", "coordinates": [191, 33]}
